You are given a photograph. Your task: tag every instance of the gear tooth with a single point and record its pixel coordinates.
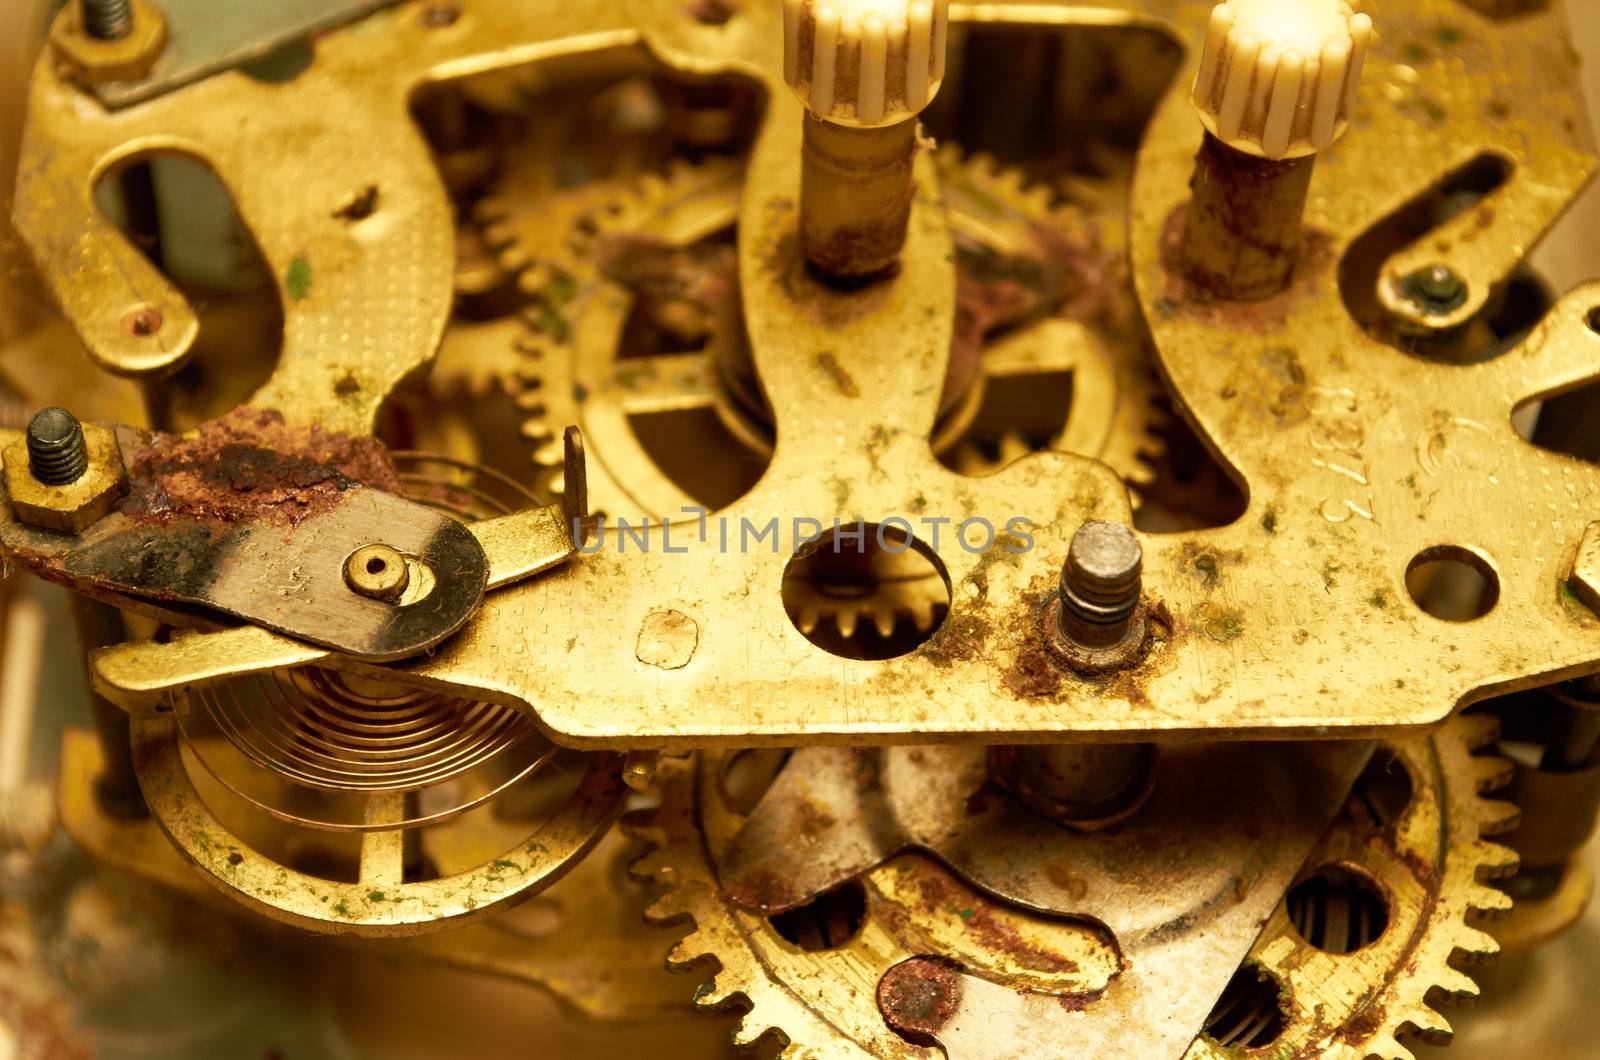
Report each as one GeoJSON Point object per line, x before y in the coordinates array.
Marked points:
{"type": "Point", "coordinates": [1491, 772]}
{"type": "Point", "coordinates": [497, 235]}
{"type": "Point", "coordinates": [922, 615]}
{"type": "Point", "coordinates": [550, 454]}
{"type": "Point", "coordinates": [1499, 817]}
{"type": "Point", "coordinates": [1476, 947]}
{"type": "Point", "coordinates": [747, 1032]}
{"type": "Point", "coordinates": [1455, 987]}
{"type": "Point", "coordinates": [715, 993]}
{"type": "Point", "coordinates": [885, 623]}
{"type": "Point", "coordinates": [1427, 1024]}
{"type": "Point", "coordinates": [846, 622]}
{"type": "Point", "coordinates": [1478, 730]}
{"type": "Point", "coordinates": [491, 209]}
{"type": "Point", "coordinates": [536, 431]}
{"type": "Point", "coordinates": [531, 402]}
{"type": "Point", "coordinates": [806, 620]}
{"type": "Point", "coordinates": [1494, 861]}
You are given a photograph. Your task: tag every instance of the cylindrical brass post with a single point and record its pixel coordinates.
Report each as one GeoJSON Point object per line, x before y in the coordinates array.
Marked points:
{"type": "Point", "coordinates": [100, 625]}
{"type": "Point", "coordinates": [864, 69]}
{"type": "Point", "coordinates": [1276, 85]}
{"type": "Point", "coordinates": [1079, 784]}
{"type": "Point", "coordinates": [855, 194]}
{"type": "Point", "coordinates": [1241, 236]}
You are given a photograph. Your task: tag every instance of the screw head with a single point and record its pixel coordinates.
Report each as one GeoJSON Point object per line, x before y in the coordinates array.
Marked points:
{"type": "Point", "coordinates": [1437, 289]}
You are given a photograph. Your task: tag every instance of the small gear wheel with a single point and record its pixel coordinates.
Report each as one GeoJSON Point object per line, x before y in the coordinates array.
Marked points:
{"type": "Point", "coordinates": [1333, 974]}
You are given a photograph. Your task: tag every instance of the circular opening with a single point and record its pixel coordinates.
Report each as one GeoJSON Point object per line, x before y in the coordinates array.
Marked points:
{"type": "Point", "coordinates": [826, 923]}
{"type": "Point", "coordinates": [1452, 583]}
{"type": "Point", "coordinates": [1383, 790]}
{"type": "Point", "coordinates": [1249, 1014]}
{"type": "Point", "coordinates": [866, 591]}
{"type": "Point", "coordinates": [375, 565]}
{"type": "Point", "coordinates": [1337, 911]}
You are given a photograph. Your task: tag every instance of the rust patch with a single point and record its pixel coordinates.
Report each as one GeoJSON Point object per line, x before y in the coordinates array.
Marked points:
{"type": "Point", "coordinates": [762, 891]}
{"type": "Point", "coordinates": [843, 381]}
{"type": "Point", "coordinates": [814, 820]}
{"type": "Point", "coordinates": [1184, 297]}
{"type": "Point", "coordinates": [251, 466]}
{"type": "Point", "coordinates": [1035, 674]}
{"type": "Point", "coordinates": [918, 997]}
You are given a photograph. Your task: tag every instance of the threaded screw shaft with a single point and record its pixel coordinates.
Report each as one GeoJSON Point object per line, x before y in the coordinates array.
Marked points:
{"type": "Point", "coordinates": [107, 19]}
{"type": "Point", "coordinates": [58, 455]}
{"type": "Point", "coordinates": [1100, 582]}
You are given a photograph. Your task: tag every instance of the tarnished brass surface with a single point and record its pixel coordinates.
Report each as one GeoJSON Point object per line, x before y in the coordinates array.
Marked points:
{"type": "Point", "coordinates": [579, 939]}
{"type": "Point", "coordinates": [381, 902]}
{"type": "Point", "coordinates": [1430, 859]}
{"type": "Point", "coordinates": [1259, 610]}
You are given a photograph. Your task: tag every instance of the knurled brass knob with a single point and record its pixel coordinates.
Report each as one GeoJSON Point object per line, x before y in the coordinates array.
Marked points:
{"type": "Point", "coordinates": [1278, 77]}
{"type": "Point", "coordinates": [864, 63]}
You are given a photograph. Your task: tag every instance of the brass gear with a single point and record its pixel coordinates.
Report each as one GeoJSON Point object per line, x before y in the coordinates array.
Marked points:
{"type": "Point", "coordinates": [573, 374]}
{"type": "Point", "coordinates": [1426, 849]}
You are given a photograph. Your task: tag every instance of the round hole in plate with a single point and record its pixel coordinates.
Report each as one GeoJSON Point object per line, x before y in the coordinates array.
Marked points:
{"type": "Point", "coordinates": [867, 591]}
{"type": "Point", "coordinates": [1337, 910]}
{"type": "Point", "coordinates": [1453, 583]}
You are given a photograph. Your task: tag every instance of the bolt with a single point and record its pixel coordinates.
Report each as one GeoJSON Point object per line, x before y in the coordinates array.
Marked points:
{"type": "Point", "coordinates": [1437, 289]}
{"type": "Point", "coordinates": [58, 455]}
{"type": "Point", "coordinates": [107, 19]}
{"type": "Point", "coordinates": [1100, 582]}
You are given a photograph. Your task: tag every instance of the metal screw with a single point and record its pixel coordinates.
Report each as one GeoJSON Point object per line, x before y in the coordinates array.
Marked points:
{"type": "Point", "coordinates": [1437, 289]}
{"type": "Point", "coordinates": [1100, 582]}
{"type": "Point", "coordinates": [57, 452]}
{"type": "Point", "coordinates": [107, 19]}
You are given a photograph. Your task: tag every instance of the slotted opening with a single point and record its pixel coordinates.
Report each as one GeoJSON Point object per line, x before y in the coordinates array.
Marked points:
{"type": "Point", "coordinates": [1460, 190]}
{"type": "Point", "coordinates": [181, 217]}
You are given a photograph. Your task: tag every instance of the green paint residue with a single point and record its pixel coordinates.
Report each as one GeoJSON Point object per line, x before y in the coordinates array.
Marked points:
{"type": "Point", "coordinates": [298, 278]}
{"type": "Point", "coordinates": [1224, 627]}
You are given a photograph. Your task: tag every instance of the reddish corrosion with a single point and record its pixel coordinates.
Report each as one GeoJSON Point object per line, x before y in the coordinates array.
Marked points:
{"type": "Point", "coordinates": [918, 997]}
{"type": "Point", "coordinates": [252, 466]}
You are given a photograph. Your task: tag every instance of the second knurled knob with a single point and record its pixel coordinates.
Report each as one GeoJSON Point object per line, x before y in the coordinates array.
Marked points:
{"type": "Point", "coordinates": [1277, 77]}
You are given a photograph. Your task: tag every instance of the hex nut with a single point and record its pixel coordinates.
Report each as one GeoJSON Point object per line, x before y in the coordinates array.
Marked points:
{"type": "Point", "coordinates": [1584, 581]}
{"type": "Point", "coordinates": [76, 506]}
{"type": "Point", "coordinates": [96, 62]}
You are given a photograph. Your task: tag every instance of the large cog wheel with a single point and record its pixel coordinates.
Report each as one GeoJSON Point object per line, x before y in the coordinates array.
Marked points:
{"type": "Point", "coordinates": [1427, 851]}
{"type": "Point", "coordinates": [576, 370]}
